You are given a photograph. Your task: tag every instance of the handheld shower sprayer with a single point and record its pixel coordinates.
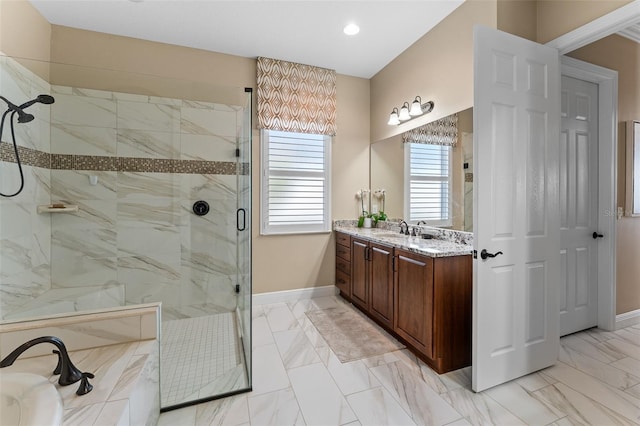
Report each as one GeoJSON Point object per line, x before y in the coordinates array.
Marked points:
{"type": "Point", "coordinates": [23, 117]}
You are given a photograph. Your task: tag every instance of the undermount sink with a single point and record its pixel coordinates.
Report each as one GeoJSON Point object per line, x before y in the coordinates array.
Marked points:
{"type": "Point", "coordinates": [393, 235]}
{"type": "Point", "coordinates": [29, 399]}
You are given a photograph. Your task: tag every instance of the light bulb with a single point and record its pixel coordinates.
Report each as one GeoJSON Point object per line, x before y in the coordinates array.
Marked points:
{"type": "Point", "coordinates": [393, 118]}
{"type": "Point", "coordinates": [416, 107]}
{"type": "Point", "coordinates": [404, 112]}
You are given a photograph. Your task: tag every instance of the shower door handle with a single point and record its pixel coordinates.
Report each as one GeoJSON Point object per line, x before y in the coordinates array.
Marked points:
{"type": "Point", "coordinates": [244, 219]}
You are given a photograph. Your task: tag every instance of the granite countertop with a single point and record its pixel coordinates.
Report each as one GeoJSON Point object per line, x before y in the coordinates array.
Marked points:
{"type": "Point", "coordinates": [432, 247]}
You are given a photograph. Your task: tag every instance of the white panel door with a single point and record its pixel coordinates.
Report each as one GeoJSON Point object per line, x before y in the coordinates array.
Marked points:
{"type": "Point", "coordinates": [516, 208]}
{"type": "Point", "coordinates": [578, 205]}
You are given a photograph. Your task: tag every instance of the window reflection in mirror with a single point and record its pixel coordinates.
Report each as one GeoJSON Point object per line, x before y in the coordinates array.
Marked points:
{"type": "Point", "coordinates": [390, 171]}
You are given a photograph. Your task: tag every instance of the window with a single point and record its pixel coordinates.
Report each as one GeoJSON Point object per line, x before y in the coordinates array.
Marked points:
{"type": "Point", "coordinates": [295, 183]}
{"type": "Point", "coordinates": [428, 183]}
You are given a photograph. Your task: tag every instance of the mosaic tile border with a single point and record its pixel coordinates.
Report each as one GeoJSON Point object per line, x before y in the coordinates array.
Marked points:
{"type": "Point", "coordinates": [35, 158]}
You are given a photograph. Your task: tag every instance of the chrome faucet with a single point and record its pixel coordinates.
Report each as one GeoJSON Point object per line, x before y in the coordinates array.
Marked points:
{"type": "Point", "coordinates": [68, 372]}
{"type": "Point", "coordinates": [406, 227]}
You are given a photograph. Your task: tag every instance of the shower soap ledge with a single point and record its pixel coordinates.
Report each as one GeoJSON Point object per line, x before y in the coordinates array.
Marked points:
{"type": "Point", "coordinates": [58, 208]}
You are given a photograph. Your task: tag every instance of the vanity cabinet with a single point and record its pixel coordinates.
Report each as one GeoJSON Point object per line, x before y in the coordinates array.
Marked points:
{"type": "Point", "coordinates": [372, 279]}
{"type": "Point", "coordinates": [413, 308]}
{"type": "Point", "coordinates": [343, 264]}
{"type": "Point", "coordinates": [432, 311]}
{"type": "Point", "coordinates": [424, 301]}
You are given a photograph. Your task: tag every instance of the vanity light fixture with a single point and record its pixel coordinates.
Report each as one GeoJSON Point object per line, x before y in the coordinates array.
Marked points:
{"type": "Point", "coordinates": [409, 112]}
{"type": "Point", "coordinates": [393, 118]}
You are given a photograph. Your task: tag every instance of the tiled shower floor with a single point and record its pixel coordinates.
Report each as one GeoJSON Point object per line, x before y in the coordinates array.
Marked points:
{"type": "Point", "coordinates": [195, 353]}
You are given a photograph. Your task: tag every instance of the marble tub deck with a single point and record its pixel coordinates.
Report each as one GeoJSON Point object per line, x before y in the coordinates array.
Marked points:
{"type": "Point", "coordinates": [297, 380]}
{"type": "Point", "coordinates": [125, 389]}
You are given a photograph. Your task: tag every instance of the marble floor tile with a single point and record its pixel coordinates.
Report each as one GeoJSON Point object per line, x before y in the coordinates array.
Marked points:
{"type": "Point", "coordinates": [280, 317]}
{"type": "Point", "coordinates": [630, 365]}
{"type": "Point", "coordinates": [590, 347]}
{"type": "Point", "coordinates": [261, 333]}
{"type": "Point", "coordinates": [320, 400]}
{"type": "Point", "coordinates": [377, 407]}
{"type": "Point", "coordinates": [628, 336]}
{"type": "Point", "coordinates": [295, 349]}
{"type": "Point", "coordinates": [605, 372]}
{"type": "Point", "coordinates": [268, 370]}
{"type": "Point", "coordinates": [594, 383]}
{"type": "Point", "coordinates": [480, 409]}
{"type": "Point", "coordinates": [351, 377]}
{"type": "Point", "coordinates": [616, 400]}
{"type": "Point", "coordinates": [425, 405]}
{"type": "Point", "coordinates": [622, 347]}
{"type": "Point", "coordinates": [578, 408]}
{"type": "Point", "coordinates": [183, 417]}
{"type": "Point", "coordinates": [520, 402]}
{"type": "Point", "coordinates": [231, 411]}
{"type": "Point", "coordinates": [275, 408]}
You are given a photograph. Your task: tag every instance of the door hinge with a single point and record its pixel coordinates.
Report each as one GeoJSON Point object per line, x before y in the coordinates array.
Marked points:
{"type": "Point", "coordinates": [238, 152]}
{"type": "Point", "coordinates": [237, 288]}
{"type": "Point", "coordinates": [475, 254]}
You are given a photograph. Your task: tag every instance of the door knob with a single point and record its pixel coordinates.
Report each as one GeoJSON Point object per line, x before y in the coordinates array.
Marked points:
{"type": "Point", "coordinates": [595, 235]}
{"type": "Point", "coordinates": [485, 254]}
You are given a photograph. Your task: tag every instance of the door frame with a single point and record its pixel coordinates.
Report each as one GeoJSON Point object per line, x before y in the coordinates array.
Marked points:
{"type": "Point", "coordinates": [607, 82]}
{"type": "Point", "coordinates": [608, 131]}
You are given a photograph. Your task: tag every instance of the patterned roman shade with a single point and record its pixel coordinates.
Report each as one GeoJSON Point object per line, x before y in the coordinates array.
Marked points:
{"type": "Point", "coordinates": [439, 132]}
{"type": "Point", "coordinates": [296, 98]}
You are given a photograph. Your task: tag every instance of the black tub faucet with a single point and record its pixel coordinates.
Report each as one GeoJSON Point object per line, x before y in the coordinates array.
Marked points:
{"type": "Point", "coordinates": [68, 372]}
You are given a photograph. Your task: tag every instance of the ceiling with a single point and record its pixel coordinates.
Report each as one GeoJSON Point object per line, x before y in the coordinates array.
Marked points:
{"type": "Point", "coordinates": [304, 31]}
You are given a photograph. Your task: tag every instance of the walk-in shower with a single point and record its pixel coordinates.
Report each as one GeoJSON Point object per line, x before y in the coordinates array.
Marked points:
{"type": "Point", "coordinates": [132, 161]}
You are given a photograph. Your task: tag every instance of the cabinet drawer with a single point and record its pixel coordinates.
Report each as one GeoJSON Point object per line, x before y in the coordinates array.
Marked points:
{"type": "Point", "coordinates": [343, 252]}
{"type": "Point", "coordinates": [343, 281]}
{"type": "Point", "coordinates": [343, 265]}
{"type": "Point", "coordinates": [343, 239]}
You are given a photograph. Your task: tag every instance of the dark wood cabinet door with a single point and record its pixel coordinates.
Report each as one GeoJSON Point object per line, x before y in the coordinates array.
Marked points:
{"type": "Point", "coordinates": [359, 269]}
{"type": "Point", "coordinates": [381, 283]}
{"type": "Point", "coordinates": [413, 294]}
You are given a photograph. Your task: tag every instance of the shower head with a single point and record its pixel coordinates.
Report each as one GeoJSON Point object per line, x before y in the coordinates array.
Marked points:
{"type": "Point", "coordinates": [24, 117]}
{"type": "Point", "coordinates": [43, 99]}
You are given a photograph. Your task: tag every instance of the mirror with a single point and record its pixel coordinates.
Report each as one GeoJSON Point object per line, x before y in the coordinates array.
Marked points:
{"type": "Point", "coordinates": [387, 168]}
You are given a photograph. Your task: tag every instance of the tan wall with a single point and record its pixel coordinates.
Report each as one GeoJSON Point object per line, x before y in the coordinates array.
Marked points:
{"type": "Point", "coordinates": [623, 55]}
{"type": "Point", "coordinates": [437, 67]}
{"type": "Point", "coordinates": [24, 33]}
{"type": "Point", "coordinates": [558, 17]}
{"type": "Point", "coordinates": [518, 17]}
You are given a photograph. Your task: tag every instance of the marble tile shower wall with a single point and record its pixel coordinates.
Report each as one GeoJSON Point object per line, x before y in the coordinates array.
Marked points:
{"type": "Point", "coordinates": [24, 235]}
{"type": "Point", "coordinates": [135, 230]}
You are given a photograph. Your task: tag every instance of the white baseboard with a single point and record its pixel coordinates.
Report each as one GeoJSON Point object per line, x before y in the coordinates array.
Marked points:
{"type": "Point", "coordinates": [627, 319]}
{"type": "Point", "coordinates": [292, 295]}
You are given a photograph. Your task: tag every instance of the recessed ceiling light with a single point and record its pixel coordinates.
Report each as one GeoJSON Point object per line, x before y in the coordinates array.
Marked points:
{"type": "Point", "coordinates": [351, 29]}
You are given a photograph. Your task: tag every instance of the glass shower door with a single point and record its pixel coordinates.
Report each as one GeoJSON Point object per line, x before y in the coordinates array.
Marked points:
{"type": "Point", "coordinates": [243, 216]}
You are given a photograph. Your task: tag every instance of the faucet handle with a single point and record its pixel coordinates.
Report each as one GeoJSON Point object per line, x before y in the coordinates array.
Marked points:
{"type": "Point", "coordinates": [85, 387]}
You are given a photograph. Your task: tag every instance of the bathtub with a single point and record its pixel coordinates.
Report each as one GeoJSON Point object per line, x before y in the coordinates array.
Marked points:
{"type": "Point", "coordinates": [29, 400]}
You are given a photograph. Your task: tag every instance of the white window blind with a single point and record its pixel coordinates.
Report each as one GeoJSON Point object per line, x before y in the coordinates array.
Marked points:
{"type": "Point", "coordinates": [428, 183]}
{"type": "Point", "coordinates": [295, 182]}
